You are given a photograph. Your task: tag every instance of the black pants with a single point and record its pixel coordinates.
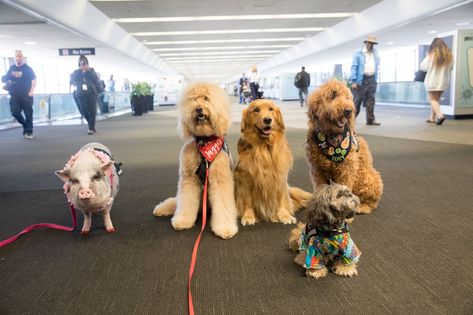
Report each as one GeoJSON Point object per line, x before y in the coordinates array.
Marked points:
{"type": "Point", "coordinates": [366, 93]}
{"type": "Point", "coordinates": [303, 91]}
{"type": "Point", "coordinates": [25, 104]}
{"type": "Point", "coordinates": [88, 102]}
{"type": "Point", "coordinates": [254, 90]}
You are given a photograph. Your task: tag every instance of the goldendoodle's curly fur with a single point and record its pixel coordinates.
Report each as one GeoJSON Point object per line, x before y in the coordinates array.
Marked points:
{"type": "Point", "coordinates": [264, 162]}
{"type": "Point", "coordinates": [204, 111]}
{"type": "Point", "coordinates": [331, 113]}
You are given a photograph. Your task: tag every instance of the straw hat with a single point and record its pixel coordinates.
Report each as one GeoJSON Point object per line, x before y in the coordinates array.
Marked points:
{"type": "Point", "coordinates": [371, 39]}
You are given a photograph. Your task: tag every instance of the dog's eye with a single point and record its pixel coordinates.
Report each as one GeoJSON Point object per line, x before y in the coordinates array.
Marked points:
{"type": "Point", "coordinates": [256, 110]}
{"type": "Point", "coordinates": [206, 98]}
{"type": "Point", "coordinates": [271, 109]}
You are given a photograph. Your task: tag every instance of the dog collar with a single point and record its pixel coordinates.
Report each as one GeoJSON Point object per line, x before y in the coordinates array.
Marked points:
{"type": "Point", "coordinates": [326, 231]}
{"type": "Point", "coordinates": [336, 147]}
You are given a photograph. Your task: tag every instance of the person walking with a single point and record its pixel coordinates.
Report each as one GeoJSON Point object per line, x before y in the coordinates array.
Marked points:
{"type": "Point", "coordinates": [438, 64]}
{"type": "Point", "coordinates": [86, 81]}
{"type": "Point", "coordinates": [302, 82]}
{"type": "Point", "coordinates": [254, 83]}
{"type": "Point", "coordinates": [20, 82]}
{"type": "Point", "coordinates": [242, 82]}
{"type": "Point", "coordinates": [364, 78]}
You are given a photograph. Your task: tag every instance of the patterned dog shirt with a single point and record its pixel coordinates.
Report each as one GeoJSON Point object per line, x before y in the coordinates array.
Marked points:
{"type": "Point", "coordinates": [334, 244]}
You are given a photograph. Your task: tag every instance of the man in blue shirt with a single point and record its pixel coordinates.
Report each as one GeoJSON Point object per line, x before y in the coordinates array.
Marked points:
{"type": "Point", "coordinates": [20, 82]}
{"type": "Point", "coordinates": [364, 77]}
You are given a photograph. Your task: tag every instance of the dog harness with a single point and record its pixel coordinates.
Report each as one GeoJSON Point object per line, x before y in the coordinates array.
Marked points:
{"type": "Point", "coordinates": [336, 147]}
{"type": "Point", "coordinates": [322, 243]}
{"type": "Point", "coordinates": [209, 147]}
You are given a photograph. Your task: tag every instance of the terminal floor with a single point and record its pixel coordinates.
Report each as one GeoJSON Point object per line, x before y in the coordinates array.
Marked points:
{"type": "Point", "coordinates": [416, 246]}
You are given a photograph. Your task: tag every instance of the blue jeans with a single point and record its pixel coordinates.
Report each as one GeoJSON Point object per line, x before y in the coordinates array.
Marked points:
{"type": "Point", "coordinates": [25, 104]}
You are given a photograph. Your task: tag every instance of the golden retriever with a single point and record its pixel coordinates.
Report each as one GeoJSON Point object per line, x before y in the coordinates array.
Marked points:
{"type": "Point", "coordinates": [264, 161]}
{"type": "Point", "coordinates": [334, 151]}
{"type": "Point", "coordinates": [204, 114]}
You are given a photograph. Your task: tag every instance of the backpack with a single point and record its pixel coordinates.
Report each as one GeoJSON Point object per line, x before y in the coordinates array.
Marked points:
{"type": "Point", "coordinates": [298, 80]}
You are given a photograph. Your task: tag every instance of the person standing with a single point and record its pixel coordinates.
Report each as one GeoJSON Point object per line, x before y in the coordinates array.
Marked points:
{"type": "Point", "coordinates": [86, 81]}
{"type": "Point", "coordinates": [254, 83]}
{"type": "Point", "coordinates": [364, 78]}
{"type": "Point", "coordinates": [21, 82]}
{"type": "Point", "coordinates": [438, 64]}
{"type": "Point", "coordinates": [243, 81]}
{"type": "Point", "coordinates": [111, 84]}
{"type": "Point", "coordinates": [302, 82]}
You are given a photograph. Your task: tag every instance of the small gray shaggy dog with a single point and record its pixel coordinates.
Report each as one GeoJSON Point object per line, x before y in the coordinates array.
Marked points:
{"type": "Point", "coordinates": [324, 240]}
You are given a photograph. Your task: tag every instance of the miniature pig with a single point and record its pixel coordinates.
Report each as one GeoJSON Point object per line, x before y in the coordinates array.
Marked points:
{"type": "Point", "coordinates": [91, 183]}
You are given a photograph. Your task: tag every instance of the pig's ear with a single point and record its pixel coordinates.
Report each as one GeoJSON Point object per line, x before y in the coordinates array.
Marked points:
{"type": "Point", "coordinates": [106, 166]}
{"type": "Point", "coordinates": [64, 175]}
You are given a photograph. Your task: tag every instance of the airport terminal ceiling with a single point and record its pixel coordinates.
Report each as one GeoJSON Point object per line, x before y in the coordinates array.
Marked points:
{"type": "Point", "coordinates": [217, 40]}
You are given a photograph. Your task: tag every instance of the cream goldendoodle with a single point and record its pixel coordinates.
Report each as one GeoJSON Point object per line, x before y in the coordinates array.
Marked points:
{"type": "Point", "coordinates": [333, 149]}
{"type": "Point", "coordinates": [204, 119]}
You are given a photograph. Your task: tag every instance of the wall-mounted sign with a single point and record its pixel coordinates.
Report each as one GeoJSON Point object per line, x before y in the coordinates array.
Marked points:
{"type": "Point", "coordinates": [76, 51]}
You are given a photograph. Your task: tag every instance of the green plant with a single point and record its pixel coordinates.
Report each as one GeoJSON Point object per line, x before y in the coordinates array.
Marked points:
{"type": "Point", "coordinates": [141, 89]}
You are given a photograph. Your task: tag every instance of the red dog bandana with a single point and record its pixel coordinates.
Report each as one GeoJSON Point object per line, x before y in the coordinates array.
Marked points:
{"type": "Point", "coordinates": [210, 147]}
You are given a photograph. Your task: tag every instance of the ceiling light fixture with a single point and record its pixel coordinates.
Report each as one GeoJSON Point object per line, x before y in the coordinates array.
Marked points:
{"type": "Point", "coordinates": [234, 17]}
{"type": "Point", "coordinates": [219, 41]}
{"type": "Point", "coordinates": [221, 53]}
{"type": "Point", "coordinates": [221, 48]}
{"type": "Point", "coordinates": [238, 56]}
{"type": "Point", "coordinates": [241, 31]}
{"type": "Point", "coordinates": [432, 32]}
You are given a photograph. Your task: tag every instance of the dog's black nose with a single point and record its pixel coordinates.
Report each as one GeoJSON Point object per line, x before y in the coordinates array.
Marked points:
{"type": "Point", "coordinates": [348, 112]}
{"type": "Point", "coordinates": [199, 110]}
{"type": "Point", "coordinates": [267, 120]}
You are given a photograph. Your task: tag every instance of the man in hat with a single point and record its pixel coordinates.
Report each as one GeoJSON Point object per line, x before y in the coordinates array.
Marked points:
{"type": "Point", "coordinates": [364, 77]}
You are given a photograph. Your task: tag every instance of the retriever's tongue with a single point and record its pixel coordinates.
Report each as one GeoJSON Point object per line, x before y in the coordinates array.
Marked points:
{"type": "Point", "coordinates": [267, 131]}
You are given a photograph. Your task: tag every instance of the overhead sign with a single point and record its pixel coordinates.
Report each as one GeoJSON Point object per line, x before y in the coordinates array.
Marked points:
{"type": "Point", "coordinates": [76, 51]}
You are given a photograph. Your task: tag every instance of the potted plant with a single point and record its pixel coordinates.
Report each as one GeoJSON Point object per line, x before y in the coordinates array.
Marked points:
{"type": "Point", "coordinates": [137, 98]}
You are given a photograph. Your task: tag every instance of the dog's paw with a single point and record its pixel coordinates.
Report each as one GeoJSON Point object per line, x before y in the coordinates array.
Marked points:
{"type": "Point", "coordinates": [300, 259]}
{"type": "Point", "coordinates": [226, 232]}
{"type": "Point", "coordinates": [345, 270]}
{"type": "Point", "coordinates": [286, 218]}
{"type": "Point", "coordinates": [181, 223]}
{"type": "Point", "coordinates": [363, 208]}
{"type": "Point", "coordinates": [248, 220]}
{"type": "Point", "coordinates": [317, 273]}
{"type": "Point", "coordinates": [165, 208]}
{"type": "Point", "coordinates": [349, 221]}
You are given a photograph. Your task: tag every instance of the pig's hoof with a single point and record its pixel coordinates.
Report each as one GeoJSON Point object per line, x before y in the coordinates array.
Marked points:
{"type": "Point", "coordinates": [84, 232]}
{"type": "Point", "coordinates": [111, 230]}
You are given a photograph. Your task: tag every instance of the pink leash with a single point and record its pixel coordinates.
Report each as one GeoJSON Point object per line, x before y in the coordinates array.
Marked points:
{"type": "Point", "coordinates": [43, 225]}
{"type": "Point", "coordinates": [196, 245]}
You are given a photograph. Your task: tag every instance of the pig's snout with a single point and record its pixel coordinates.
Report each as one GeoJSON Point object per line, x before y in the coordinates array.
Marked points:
{"type": "Point", "coordinates": [86, 193]}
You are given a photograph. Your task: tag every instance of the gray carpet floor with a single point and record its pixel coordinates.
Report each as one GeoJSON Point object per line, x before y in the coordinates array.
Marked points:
{"type": "Point", "coordinates": [417, 246]}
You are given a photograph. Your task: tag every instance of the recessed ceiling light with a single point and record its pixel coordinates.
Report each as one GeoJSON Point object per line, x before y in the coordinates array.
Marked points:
{"type": "Point", "coordinates": [390, 43]}
{"type": "Point", "coordinates": [221, 53]}
{"type": "Point", "coordinates": [462, 23]}
{"type": "Point", "coordinates": [243, 31]}
{"type": "Point", "coordinates": [432, 32]}
{"type": "Point", "coordinates": [30, 43]}
{"type": "Point", "coordinates": [234, 17]}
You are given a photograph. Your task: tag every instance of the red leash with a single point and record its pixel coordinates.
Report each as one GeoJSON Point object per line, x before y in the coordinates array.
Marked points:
{"type": "Point", "coordinates": [42, 225]}
{"type": "Point", "coordinates": [197, 242]}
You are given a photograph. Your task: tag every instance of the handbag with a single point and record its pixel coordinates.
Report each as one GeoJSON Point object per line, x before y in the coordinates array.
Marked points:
{"type": "Point", "coordinates": [420, 76]}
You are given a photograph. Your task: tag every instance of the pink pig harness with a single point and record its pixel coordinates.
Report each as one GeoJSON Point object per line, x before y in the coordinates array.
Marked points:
{"type": "Point", "coordinates": [104, 158]}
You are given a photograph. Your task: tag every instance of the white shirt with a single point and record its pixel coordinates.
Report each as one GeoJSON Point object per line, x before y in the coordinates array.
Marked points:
{"type": "Point", "coordinates": [369, 62]}
{"type": "Point", "coordinates": [437, 77]}
{"type": "Point", "coordinates": [254, 77]}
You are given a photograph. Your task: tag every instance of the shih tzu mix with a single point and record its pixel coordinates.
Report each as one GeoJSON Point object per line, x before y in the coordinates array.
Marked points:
{"type": "Point", "coordinates": [324, 240]}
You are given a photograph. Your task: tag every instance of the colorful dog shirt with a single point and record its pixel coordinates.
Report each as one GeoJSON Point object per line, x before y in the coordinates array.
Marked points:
{"type": "Point", "coordinates": [334, 244]}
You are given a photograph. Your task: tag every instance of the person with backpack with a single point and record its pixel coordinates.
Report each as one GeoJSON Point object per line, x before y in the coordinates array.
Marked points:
{"type": "Point", "coordinates": [302, 82]}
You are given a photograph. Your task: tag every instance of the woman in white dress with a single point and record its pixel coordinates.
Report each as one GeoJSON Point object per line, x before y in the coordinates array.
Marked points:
{"type": "Point", "coordinates": [438, 64]}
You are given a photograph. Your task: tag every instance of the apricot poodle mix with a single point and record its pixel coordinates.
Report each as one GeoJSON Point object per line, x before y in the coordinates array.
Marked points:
{"type": "Point", "coordinates": [264, 161]}
{"type": "Point", "coordinates": [334, 151]}
{"type": "Point", "coordinates": [204, 115]}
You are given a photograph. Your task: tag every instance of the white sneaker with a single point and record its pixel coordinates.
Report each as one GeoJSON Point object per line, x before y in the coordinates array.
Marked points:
{"type": "Point", "coordinates": [28, 135]}
{"type": "Point", "coordinates": [90, 132]}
